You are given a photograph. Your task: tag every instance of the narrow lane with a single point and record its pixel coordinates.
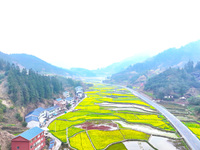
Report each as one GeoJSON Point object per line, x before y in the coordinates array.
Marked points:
{"type": "Point", "coordinates": [192, 141]}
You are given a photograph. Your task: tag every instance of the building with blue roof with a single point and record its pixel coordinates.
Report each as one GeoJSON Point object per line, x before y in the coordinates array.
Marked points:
{"type": "Point", "coordinates": [59, 99]}
{"type": "Point", "coordinates": [31, 133]}
{"type": "Point", "coordinates": [29, 140]}
{"type": "Point", "coordinates": [52, 111]}
{"type": "Point", "coordinates": [66, 94]}
{"type": "Point", "coordinates": [36, 118]}
{"type": "Point", "coordinates": [30, 118]}
{"type": "Point", "coordinates": [69, 99]}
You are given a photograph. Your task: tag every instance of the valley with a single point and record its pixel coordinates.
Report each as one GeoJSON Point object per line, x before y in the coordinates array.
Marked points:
{"type": "Point", "coordinates": [115, 108]}
{"type": "Point", "coordinates": [114, 113]}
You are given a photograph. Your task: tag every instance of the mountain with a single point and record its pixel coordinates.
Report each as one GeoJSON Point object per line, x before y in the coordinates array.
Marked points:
{"type": "Point", "coordinates": [175, 82]}
{"type": "Point", "coordinates": [119, 66]}
{"type": "Point", "coordinates": [173, 57]}
{"type": "Point", "coordinates": [83, 72]}
{"type": "Point", "coordinates": [30, 61]}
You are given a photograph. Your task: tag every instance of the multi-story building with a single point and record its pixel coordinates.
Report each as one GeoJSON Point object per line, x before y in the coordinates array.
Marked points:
{"type": "Point", "coordinates": [53, 111]}
{"type": "Point", "coordinates": [60, 102]}
{"type": "Point", "coordinates": [32, 139]}
{"type": "Point", "coordinates": [79, 92]}
{"type": "Point", "coordinates": [36, 118]}
{"type": "Point", "coordinates": [66, 94]}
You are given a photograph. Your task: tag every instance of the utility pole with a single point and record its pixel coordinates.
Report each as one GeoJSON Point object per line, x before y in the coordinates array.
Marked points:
{"type": "Point", "coordinates": [55, 126]}
{"type": "Point", "coordinates": [66, 134]}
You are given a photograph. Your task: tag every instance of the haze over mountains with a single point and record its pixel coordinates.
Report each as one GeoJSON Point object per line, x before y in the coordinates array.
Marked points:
{"type": "Point", "coordinates": [172, 57]}
{"type": "Point", "coordinates": [30, 61]}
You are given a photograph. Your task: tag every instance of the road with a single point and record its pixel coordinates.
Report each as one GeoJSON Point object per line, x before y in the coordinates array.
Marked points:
{"type": "Point", "coordinates": [57, 141]}
{"type": "Point", "coordinates": [192, 141]}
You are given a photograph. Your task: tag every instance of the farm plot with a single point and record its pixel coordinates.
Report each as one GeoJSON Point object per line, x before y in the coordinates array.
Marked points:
{"type": "Point", "coordinates": [96, 122]}
{"type": "Point", "coordinates": [194, 127]}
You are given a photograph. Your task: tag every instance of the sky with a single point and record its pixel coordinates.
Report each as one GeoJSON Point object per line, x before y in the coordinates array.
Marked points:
{"type": "Point", "coordinates": [93, 34]}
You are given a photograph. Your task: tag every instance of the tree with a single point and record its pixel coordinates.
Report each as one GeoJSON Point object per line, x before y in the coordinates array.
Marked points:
{"type": "Point", "coordinates": [197, 67]}
{"type": "Point", "coordinates": [24, 124]}
{"type": "Point", "coordinates": [189, 67]}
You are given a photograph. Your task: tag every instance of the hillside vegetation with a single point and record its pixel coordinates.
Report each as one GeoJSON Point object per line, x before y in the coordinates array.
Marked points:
{"type": "Point", "coordinates": [35, 63]}
{"type": "Point", "coordinates": [28, 86]}
{"type": "Point", "coordinates": [172, 57]}
{"type": "Point", "coordinates": [174, 81]}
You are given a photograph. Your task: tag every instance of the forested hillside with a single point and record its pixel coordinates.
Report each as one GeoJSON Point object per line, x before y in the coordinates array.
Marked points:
{"type": "Point", "coordinates": [175, 81]}
{"type": "Point", "coordinates": [173, 57]}
{"type": "Point", "coordinates": [35, 63]}
{"type": "Point", "coordinates": [28, 86]}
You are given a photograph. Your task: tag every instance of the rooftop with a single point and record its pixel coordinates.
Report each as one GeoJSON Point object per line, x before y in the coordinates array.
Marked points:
{"type": "Point", "coordinates": [52, 108]}
{"type": "Point", "coordinates": [59, 99]}
{"type": "Point", "coordinates": [31, 118]}
{"type": "Point", "coordinates": [31, 133]}
{"type": "Point", "coordinates": [36, 112]}
{"type": "Point", "coordinates": [69, 98]}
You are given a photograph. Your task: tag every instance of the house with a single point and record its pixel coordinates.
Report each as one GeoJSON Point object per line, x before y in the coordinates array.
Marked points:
{"type": "Point", "coordinates": [32, 139]}
{"type": "Point", "coordinates": [66, 94]}
{"type": "Point", "coordinates": [32, 121]}
{"type": "Point", "coordinates": [68, 99]}
{"type": "Point", "coordinates": [79, 88]}
{"type": "Point", "coordinates": [36, 118]}
{"type": "Point", "coordinates": [79, 92]}
{"type": "Point", "coordinates": [53, 111]}
{"type": "Point", "coordinates": [182, 98]}
{"type": "Point", "coordinates": [60, 102]}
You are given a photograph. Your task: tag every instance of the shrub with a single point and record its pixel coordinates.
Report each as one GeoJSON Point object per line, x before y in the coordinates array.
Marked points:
{"type": "Point", "coordinates": [24, 124]}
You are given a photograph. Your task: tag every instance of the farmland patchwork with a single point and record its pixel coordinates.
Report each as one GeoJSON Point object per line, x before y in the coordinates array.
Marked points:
{"type": "Point", "coordinates": [111, 116]}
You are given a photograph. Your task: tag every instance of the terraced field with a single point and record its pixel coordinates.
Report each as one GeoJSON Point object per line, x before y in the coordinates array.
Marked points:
{"type": "Point", "coordinates": [111, 116]}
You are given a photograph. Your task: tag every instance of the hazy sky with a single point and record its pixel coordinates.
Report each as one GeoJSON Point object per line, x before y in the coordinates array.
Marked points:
{"type": "Point", "coordinates": [93, 34]}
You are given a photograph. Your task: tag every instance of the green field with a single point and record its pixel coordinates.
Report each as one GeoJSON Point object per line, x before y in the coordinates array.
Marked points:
{"type": "Point", "coordinates": [96, 121]}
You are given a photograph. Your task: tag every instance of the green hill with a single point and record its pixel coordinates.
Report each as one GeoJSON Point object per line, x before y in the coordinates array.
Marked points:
{"type": "Point", "coordinates": [35, 63]}
{"type": "Point", "coordinates": [173, 57]}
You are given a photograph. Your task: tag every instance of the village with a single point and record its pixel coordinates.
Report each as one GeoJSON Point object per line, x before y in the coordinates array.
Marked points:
{"type": "Point", "coordinates": [38, 120]}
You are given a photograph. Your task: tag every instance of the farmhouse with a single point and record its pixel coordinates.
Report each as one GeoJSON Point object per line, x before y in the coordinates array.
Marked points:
{"type": "Point", "coordinates": [32, 139]}
{"type": "Point", "coordinates": [36, 118]}
{"type": "Point", "coordinates": [66, 94]}
{"type": "Point", "coordinates": [60, 102]}
{"type": "Point", "coordinates": [52, 111]}
{"type": "Point", "coordinates": [79, 92]}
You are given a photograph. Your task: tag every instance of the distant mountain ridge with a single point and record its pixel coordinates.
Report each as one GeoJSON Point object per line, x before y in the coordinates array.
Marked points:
{"type": "Point", "coordinates": [83, 72]}
{"type": "Point", "coordinates": [173, 57]}
{"type": "Point", "coordinates": [120, 66]}
{"type": "Point", "coordinates": [169, 58]}
{"type": "Point", "coordinates": [37, 64]}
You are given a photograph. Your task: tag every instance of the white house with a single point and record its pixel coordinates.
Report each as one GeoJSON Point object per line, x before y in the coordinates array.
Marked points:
{"type": "Point", "coordinates": [52, 111]}
{"type": "Point", "coordinates": [79, 92]}
{"type": "Point", "coordinates": [60, 102]}
{"type": "Point", "coordinates": [66, 94]}
{"type": "Point", "coordinates": [36, 118]}
{"type": "Point", "coordinates": [79, 88]}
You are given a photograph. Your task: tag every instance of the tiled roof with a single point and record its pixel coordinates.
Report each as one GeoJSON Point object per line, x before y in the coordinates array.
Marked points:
{"type": "Point", "coordinates": [52, 108]}
{"type": "Point", "coordinates": [40, 109]}
{"type": "Point", "coordinates": [59, 99]}
{"type": "Point", "coordinates": [31, 133]}
{"type": "Point", "coordinates": [69, 98]}
{"type": "Point", "coordinates": [31, 118]}
{"type": "Point", "coordinates": [36, 112]}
